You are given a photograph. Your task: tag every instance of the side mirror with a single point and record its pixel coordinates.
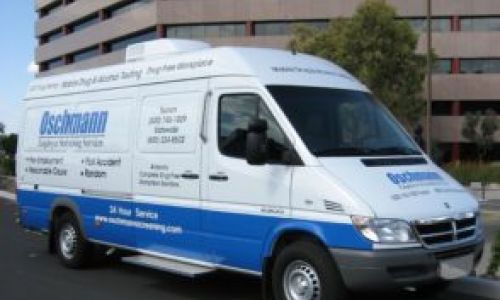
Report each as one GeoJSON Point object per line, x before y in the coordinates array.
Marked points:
{"type": "Point", "coordinates": [256, 147]}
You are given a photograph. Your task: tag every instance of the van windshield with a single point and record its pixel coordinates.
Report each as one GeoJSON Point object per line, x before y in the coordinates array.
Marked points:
{"type": "Point", "coordinates": [335, 122]}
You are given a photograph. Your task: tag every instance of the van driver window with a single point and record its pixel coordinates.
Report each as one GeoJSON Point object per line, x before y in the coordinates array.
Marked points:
{"type": "Point", "coordinates": [235, 113]}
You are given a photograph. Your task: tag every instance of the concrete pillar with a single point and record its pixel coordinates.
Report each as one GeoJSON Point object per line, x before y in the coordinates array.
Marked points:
{"type": "Point", "coordinates": [249, 30]}
{"type": "Point", "coordinates": [455, 147]}
{"type": "Point", "coordinates": [66, 29]}
{"type": "Point", "coordinates": [455, 65]}
{"type": "Point", "coordinates": [161, 31]}
{"type": "Point", "coordinates": [103, 47]}
{"type": "Point", "coordinates": [103, 15]}
{"type": "Point", "coordinates": [455, 23]}
{"type": "Point", "coordinates": [67, 59]}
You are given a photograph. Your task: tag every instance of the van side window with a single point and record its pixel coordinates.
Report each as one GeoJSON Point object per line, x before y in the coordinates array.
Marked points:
{"type": "Point", "coordinates": [235, 113]}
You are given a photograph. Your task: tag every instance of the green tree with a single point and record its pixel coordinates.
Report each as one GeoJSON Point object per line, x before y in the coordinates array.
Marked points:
{"type": "Point", "coordinates": [2, 128]}
{"type": "Point", "coordinates": [9, 144]}
{"type": "Point", "coordinates": [480, 130]}
{"type": "Point", "coordinates": [494, 266]}
{"type": "Point", "coordinates": [377, 48]}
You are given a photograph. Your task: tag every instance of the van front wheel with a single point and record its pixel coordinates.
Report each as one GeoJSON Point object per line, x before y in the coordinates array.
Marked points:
{"type": "Point", "coordinates": [305, 271]}
{"type": "Point", "coordinates": [72, 248]}
{"type": "Point", "coordinates": [434, 289]}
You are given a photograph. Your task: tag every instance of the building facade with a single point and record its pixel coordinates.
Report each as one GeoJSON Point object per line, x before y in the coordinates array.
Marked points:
{"type": "Point", "coordinates": [82, 34]}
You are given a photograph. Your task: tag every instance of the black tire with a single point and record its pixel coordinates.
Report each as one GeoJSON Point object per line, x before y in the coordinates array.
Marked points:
{"type": "Point", "coordinates": [79, 254]}
{"type": "Point", "coordinates": [433, 289]}
{"type": "Point", "coordinates": [310, 260]}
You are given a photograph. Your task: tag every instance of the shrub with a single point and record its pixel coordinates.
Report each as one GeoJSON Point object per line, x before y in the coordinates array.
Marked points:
{"type": "Point", "coordinates": [7, 166]}
{"type": "Point", "coordinates": [466, 173]}
{"type": "Point", "coordinates": [494, 267]}
{"type": "Point", "coordinates": [480, 130]}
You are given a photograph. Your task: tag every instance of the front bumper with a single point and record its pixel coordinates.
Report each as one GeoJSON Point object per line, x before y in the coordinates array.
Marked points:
{"type": "Point", "coordinates": [392, 269]}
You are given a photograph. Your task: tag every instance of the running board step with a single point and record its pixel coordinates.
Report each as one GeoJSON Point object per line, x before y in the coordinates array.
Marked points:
{"type": "Point", "coordinates": [167, 265]}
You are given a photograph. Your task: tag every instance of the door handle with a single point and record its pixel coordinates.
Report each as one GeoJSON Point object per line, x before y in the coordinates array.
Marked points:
{"type": "Point", "coordinates": [218, 177]}
{"type": "Point", "coordinates": [190, 176]}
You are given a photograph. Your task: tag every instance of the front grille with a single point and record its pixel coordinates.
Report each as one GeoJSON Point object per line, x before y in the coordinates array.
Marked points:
{"type": "Point", "coordinates": [435, 233]}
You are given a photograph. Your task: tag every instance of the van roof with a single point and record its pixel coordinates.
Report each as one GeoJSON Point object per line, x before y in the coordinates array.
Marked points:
{"type": "Point", "coordinates": [270, 66]}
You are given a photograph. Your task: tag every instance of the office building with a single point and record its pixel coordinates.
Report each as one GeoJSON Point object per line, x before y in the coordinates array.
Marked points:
{"type": "Point", "coordinates": [82, 34]}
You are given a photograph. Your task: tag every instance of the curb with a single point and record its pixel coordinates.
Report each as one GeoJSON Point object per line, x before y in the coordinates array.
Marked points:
{"type": "Point", "coordinates": [8, 196]}
{"type": "Point", "coordinates": [477, 287]}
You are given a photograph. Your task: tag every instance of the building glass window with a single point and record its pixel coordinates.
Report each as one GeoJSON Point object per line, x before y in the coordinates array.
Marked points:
{"type": "Point", "coordinates": [438, 24]}
{"type": "Point", "coordinates": [84, 23]}
{"type": "Point", "coordinates": [480, 66]}
{"type": "Point", "coordinates": [479, 106]}
{"type": "Point", "coordinates": [442, 66]}
{"type": "Point", "coordinates": [480, 23]}
{"type": "Point", "coordinates": [50, 8]}
{"type": "Point", "coordinates": [441, 108]}
{"type": "Point", "coordinates": [52, 36]}
{"type": "Point", "coordinates": [206, 30]}
{"type": "Point", "coordinates": [441, 24]}
{"type": "Point", "coordinates": [85, 54]}
{"type": "Point", "coordinates": [444, 108]}
{"type": "Point", "coordinates": [126, 6]}
{"type": "Point", "coordinates": [53, 63]}
{"type": "Point", "coordinates": [284, 27]}
{"type": "Point", "coordinates": [122, 43]}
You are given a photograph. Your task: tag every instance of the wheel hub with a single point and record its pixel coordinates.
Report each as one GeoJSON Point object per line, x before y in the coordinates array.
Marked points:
{"type": "Point", "coordinates": [301, 282]}
{"type": "Point", "coordinates": [67, 241]}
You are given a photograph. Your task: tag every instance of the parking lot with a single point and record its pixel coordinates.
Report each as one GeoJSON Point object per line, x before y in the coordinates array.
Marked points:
{"type": "Point", "coordinates": [28, 272]}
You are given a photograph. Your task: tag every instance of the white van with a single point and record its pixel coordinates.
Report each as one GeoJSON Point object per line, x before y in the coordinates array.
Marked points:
{"type": "Point", "coordinates": [260, 161]}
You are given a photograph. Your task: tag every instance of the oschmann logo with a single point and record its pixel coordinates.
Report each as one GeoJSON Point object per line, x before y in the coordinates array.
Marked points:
{"type": "Point", "coordinates": [411, 177]}
{"type": "Point", "coordinates": [74, 123]}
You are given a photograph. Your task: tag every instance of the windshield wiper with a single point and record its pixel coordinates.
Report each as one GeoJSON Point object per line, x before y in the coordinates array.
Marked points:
{"type": "Point", "coordinates": [348, 151]}
{"type": "Point", "coordinates": [355, 151]}
{"type": "Point", "coordinates": [395, 150]}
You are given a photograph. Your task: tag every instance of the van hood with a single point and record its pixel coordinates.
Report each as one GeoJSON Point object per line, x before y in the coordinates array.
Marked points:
{"type": "Point", "coordinates": [408, 192]}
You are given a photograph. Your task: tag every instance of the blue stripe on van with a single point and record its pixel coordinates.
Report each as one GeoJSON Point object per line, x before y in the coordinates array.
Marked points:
{"type": "Point", "coordinates": [232, 239]}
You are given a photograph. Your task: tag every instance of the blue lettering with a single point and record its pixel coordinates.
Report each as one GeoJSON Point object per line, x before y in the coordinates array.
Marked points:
{"type": "Point", "coordinates": [393, 178]}
{"type": "Point", "coordinates": [52, 119]}
{"type": "Point", "coordinates": [85, 123]}
{"type": "Point", "coordinates": [58, 126]}
{"type": "Point", "coordinates": [43, 124]}
{"type": "Point", "coordinates": [408, 177]}
{"type": "Point", "coordinates": [77, 123]}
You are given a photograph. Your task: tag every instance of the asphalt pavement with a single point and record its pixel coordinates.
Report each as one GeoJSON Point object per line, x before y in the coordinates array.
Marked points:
{"type": "Point", "coordinates": [29, 272]}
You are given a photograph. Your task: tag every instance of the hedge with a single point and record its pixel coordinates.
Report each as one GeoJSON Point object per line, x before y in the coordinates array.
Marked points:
{"type": "Point", "coordinates": [466, 173]}
{"type": "Point", "coordinates": [494, 267]}
{"type": "Point", "coordinates": [7, 166]}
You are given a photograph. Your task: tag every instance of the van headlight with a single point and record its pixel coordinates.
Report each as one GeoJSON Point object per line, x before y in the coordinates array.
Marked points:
{"type": "Point", "coordinates": [385, 231]}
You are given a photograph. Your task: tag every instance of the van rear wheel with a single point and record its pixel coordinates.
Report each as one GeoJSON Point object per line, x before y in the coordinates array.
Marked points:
{"type": "Point", "coordinates": [305, 271]}
{"type": "Point", "coordinates": [72, 248]}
